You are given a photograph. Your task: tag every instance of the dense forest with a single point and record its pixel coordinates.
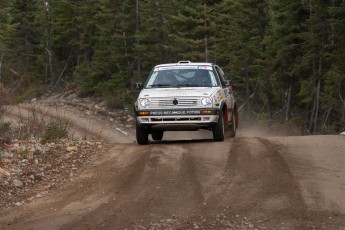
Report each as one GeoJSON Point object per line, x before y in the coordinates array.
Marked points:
{"type": "Point", "coordinates": [286, 58]}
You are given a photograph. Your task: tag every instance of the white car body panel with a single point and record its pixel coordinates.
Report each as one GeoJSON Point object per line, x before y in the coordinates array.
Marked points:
{"type": "Point", "coordinates": [190, 104]}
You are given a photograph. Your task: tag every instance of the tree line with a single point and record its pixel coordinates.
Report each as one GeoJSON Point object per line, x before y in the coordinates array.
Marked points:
{"type": "Point", "coordinates": [286, 58]}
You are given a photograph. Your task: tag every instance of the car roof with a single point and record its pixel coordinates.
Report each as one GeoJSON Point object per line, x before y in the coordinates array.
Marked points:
{"type": "Point", "coordinates": [186, 63]}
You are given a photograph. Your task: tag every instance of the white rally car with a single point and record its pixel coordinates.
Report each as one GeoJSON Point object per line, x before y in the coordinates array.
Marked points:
{"type": "Point", "coordinates": [185, 96]}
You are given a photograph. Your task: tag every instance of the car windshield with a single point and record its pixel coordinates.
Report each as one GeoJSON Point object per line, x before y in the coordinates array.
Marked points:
{"type": "Point", "coordinates": [177, 76]}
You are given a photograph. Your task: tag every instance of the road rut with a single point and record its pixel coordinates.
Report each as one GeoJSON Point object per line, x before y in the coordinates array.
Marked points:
{"type": "Point", "coordinates": [248, 182]}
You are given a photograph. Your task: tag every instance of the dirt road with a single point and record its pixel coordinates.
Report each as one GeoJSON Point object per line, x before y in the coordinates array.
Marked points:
{"type": "Point", "coordinates": [188, 181]}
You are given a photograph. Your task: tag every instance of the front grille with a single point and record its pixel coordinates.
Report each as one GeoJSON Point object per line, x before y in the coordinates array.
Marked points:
{"type": "Point", "coordinates": [175, 119]}
{"type": "Point", "coordinates": [157, 103]}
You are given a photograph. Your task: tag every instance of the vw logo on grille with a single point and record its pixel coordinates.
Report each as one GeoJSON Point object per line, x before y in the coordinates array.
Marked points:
{"type": "Point", "coordinates": [175, 101]}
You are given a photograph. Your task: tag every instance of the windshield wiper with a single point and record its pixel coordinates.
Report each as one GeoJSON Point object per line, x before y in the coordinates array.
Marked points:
{"type": "Point", "coordinates": [188, 85]}
{"type": "Point", "coordinates": [159, 85]}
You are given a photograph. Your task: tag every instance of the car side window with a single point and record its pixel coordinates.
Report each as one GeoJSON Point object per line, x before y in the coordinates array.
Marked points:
{"type": "Point", "coordinates": [221, 76]}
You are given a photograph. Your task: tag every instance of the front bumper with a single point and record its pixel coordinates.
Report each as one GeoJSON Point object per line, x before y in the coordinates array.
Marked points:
{"type": "Point", "coordinates": [178, 118]}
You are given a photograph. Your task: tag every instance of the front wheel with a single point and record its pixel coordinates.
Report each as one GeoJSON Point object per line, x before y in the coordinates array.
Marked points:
{"type": "Point", "coordinates": [142, 135]}
{"type": "Point", "coordinates": [218, 129]}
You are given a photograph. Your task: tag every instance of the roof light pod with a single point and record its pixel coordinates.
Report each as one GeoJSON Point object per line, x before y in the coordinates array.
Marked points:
{"type": "Point", "coordinates": [184, 62]}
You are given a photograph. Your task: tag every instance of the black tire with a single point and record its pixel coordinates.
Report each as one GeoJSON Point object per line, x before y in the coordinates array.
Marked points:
{"type": "Point", "coordinates": [142, 135]}
{"type": "Point", "coordinates": [218, 129]}
{"type": "Point", "coordinates": [226, 123]}
{"type": "Point", "coordinates": [232, 126]}
{"type": "Point", "coordinates": [157, 135]}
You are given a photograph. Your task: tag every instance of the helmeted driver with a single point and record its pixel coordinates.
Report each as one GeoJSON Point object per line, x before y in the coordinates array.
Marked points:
{"type": "Point", "coordinates": [202, 77]}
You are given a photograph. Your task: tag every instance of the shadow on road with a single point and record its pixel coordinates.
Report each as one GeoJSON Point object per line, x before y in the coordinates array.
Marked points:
{"type": "Point", "coordinates": [179, 141]}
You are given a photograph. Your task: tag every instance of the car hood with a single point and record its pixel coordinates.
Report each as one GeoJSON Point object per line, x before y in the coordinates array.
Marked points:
{"type": "Point", "coordinates": [178, 92]}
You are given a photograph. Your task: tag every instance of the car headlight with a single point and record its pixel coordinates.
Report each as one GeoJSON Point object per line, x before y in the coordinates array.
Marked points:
{"type": "Point", "coordinates": [145, 103]}
{"type": "Point", "coordinates": [206, 101]}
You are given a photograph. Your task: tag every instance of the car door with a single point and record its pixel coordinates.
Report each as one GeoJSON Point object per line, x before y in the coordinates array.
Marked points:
{"type": "Point", "coordinates": [228, 94]}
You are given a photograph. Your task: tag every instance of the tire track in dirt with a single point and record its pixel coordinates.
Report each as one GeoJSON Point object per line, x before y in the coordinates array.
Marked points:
{"type": "Point", "coordinates": [121, 187]}
{"type": "Point", "coordinates": [299, 215]}
{"type": "Point", "coordinates": [131, 174]}
{"type": "Point", "coordinates": [189, 180]}
{"type": "Point", "coordinates": [184, 182]}
{"type": "Point", "coordinates": [258, 184]}
{"type": "Point", "coordinates": [160, 181]}
{"type": "Point", "coordinates": [255, 172]}
{"type": "Point", "coordinates": [280, 179]}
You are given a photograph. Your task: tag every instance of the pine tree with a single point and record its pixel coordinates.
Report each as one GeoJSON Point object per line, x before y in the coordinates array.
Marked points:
{"type": "Point", "coordinates": [24, 45]}
{"type": "Point", "coordinates": [70, 38]}
{"type": "Point", "coordinates": [335, 77]}
{"type": "Point", "coordinates": [314, 64]}
{"type": "Point", "coordinates": [192, 29]}
{"type": "Point", "coordinates": [113, 56]}
{"type": "Point", "coordinates": [152, 44]}
{"type": "Point", "coordinates": [5, 29]}
{"type": "Point", "coordinates": [241, 32]}
{"type": "Point", "coordinates": [287, 29]}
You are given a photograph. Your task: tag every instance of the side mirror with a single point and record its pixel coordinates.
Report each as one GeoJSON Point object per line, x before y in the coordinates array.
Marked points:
{"type": "Point", "coordinates": [228, 82]}
{"type": "Point", "coordinates": [138, 85]}
{"type": "Point", "coordinates": [229, 85]}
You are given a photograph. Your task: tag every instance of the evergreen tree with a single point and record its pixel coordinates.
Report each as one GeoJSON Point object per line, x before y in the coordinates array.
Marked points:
{"type": "Point", "coordinates": [5, 18]}
{"type": "Point", "coordinates": [241, 32]}
{"type": "Point", "coordinates": [5, 29]}
{"type": "Point", "coordinates": [287, 28]}
{"type": "Point", "coordinates": [72, 27]}
{"type": "Point", "coordinates": [192, 29]}
{"type": "Point", "coordinates": [24, 44]}
{"type": "Point", "coordinates": [335, 77]}
{"type": "Point", "coordinates": [113, 56]}
{"type": "Point", "coordinates": [153, 42]}
{"type": "Point", "coordinates": [288, 54]}
{"type": "Point", "coordinates": [314, 64]}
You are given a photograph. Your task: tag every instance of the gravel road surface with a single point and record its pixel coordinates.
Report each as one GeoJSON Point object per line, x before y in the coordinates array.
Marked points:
{"type": "Point", "coordinates": [187, 181]}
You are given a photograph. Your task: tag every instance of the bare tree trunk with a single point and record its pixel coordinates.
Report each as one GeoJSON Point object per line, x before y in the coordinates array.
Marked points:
{"type": "Point", "coordinates": [125, 41]}
{"type": "Point", "coordinates": [1, 59]}
{"type": "Point", "coordinates": [162, 34]}
{"type": "Point", "coordinates": [206, 47]}
{"type": "Point", "coordinates": [269, 111]}
{"type": "Point", "coordinates": [312, 116]}
{"type": "Point", "coordinates": [326, 119]}
{"type": "Point", "coordinates": [313, 111]}
{"type": "Point", "coordinates": [26, 57]}
{"type": "Point", "coordinates": [288, 103]}
{"type": "Point", "coordinates": [137, 28]}
{"type": "Point", "coordinates": [63, 70]}
{"type": "Point", "coordinates": [247, 93]}
{"type": "Point", "coordinates": [46, 74]}
{"type": "Point", "coordinates": [137, 14]}
{"type": "Point", "coordinates": [343, 107]}
{"type": "Point", "coordinates": [318, 88]}
{"type": "Point", "coordinates": [48, 67]}
{"type": "Point", "coordinates": [206, 38]}
{"type": "Point", "coordinates": [305, 126]}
